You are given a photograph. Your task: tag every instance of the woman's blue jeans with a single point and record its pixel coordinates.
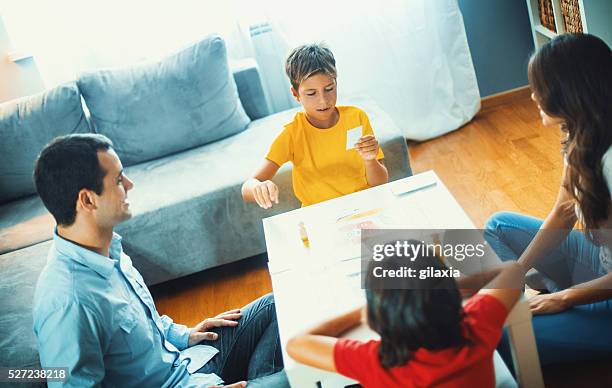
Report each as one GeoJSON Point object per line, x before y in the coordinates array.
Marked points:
{"type": "Point", "coordinates": [583, 332]}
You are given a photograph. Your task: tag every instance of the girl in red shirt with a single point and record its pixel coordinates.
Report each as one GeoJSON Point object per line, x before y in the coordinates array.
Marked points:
{"type": "Point", "coordinates": [426, 337]}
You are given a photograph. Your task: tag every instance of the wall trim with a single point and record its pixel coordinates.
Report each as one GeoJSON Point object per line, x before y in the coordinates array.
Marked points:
{"type": "Point", "coordinates": [505, 97]}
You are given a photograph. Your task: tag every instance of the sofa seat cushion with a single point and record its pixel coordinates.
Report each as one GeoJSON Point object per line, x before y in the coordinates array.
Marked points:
{"type": "Point", "coordinates": [183, 101]}
{"type": "Point", "coordinates": [26, 125]}
{"type": "Point", "coordinates": [20, 270]}
{"type": "Point", "coordinates": [188, 209]}
{"type": "Point", "coordinates": [24, 222]}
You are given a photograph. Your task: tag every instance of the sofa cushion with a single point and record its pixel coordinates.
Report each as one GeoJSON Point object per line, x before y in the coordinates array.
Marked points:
{"type": "Point", "coordinates": [188, 213]}
{"type": "Point", "coordinates": [183, 101]}
{"type": "Point", "coordinates": [26, 125]}
{"type": "Point", "coordinates": [24, 222]}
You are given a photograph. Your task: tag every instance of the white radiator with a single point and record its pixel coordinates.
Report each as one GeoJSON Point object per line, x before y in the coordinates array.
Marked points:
{"type": "Point", "coordinates": [268, 49]}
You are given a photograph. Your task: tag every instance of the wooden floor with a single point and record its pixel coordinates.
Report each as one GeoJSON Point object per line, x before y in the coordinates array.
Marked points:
{"type": "Point", "coordinates": [504, 159]}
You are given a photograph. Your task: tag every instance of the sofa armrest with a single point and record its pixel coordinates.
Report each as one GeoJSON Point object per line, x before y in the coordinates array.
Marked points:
{"type": "Point", "coordinates": [250, 88]}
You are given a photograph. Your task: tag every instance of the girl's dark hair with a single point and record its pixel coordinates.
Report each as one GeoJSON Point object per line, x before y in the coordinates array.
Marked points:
{"type": "Point", "coordinates": [571, 77]}
{"type": "Point", "coordinates": [427, 313]}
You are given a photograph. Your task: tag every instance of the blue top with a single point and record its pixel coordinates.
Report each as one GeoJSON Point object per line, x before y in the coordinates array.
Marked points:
{"type": "Point", "coordinates": [95, 315]}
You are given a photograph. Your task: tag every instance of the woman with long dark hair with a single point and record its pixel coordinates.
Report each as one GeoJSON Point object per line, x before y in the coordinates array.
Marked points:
{"type": "Point", "coordinates": [571, 81]}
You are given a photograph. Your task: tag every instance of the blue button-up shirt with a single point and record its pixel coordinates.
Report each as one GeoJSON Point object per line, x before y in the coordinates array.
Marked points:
{"type": "Point", "coordinates": [95, 315]}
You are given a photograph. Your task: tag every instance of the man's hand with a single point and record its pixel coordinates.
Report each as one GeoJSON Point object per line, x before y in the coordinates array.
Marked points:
{"type": "Point", "coordinates": [265, 193]}
{"type": "Point", "coordinates": [239, 384]}
{"type": "Point", "coordinates": [367, 146]}
{"type": "Point", "coordinates": [547, 303]}
{"type": "Point", "coordinates": [200, 332]}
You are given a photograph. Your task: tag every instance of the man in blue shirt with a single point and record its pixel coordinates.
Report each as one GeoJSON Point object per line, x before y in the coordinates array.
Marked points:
{"type": "Point", "coordinates": [93, 312]}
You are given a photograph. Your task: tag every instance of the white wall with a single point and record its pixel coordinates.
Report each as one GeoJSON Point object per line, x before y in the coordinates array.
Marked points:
{"type": "Point", "coordinates": [17, 79]}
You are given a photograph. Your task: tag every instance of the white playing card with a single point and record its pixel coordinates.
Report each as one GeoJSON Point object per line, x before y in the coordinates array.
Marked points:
{"type": "Point", "coordinates": [352, 137]}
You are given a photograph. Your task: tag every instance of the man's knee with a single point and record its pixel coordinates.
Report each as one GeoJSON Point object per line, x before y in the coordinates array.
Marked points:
{"type": "Point", "coordinates": [268, 298]}
{"type": "Point", "coordinates": [263, 302]}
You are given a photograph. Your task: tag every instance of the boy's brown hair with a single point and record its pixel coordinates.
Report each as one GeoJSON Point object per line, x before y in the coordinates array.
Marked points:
{"type": "Point", "coordinates": [307, 60]}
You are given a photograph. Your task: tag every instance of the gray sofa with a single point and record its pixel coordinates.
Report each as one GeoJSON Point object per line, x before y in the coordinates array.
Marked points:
{"type": "Point", "coordinates": [189, 131]}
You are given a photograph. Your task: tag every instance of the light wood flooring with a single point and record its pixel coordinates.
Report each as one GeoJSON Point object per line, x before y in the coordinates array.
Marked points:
{"type": "Point", "coordinates": [504, 159]}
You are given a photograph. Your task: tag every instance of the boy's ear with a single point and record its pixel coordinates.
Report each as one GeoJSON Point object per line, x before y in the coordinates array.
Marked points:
{"type": "Point", "coordinates": [295, 94]}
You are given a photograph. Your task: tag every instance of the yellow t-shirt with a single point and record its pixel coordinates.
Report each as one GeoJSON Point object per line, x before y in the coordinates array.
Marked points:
{"type": "Point", "coordinates": [322, 166]}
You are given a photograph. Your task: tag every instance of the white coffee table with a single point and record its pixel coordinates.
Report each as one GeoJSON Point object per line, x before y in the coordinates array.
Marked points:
{"type": "Point", "coordinates": [312, 284]}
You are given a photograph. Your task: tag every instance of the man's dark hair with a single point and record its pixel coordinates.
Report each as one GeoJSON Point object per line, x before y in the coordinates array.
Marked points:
{"type": "Point", "coordinates": [64, 167]}
{"type": "Point", "coordinates": [426, 314]}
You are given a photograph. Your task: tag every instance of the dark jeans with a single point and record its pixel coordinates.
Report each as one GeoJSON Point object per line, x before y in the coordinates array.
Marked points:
{"type": "Point", "coordinates": [580, 333]}
{"type": "Point", "coordinates": [250, 351]}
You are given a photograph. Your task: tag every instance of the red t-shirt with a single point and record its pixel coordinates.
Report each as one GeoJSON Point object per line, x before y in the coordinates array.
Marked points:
{"type": "Point", "coordinates": [468, 366]}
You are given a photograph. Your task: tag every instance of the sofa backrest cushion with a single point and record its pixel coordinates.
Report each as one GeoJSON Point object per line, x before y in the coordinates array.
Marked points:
{"type": "Point", "coordinates": [26, 125]}
{"type": "Point", "coordinates": [183, 101]}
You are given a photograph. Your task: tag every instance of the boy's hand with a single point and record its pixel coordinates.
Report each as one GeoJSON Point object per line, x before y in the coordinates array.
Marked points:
{"type": "Point", "coordinates": [265, 193]}
{"type": "Point", "coordinates": [367, 146]}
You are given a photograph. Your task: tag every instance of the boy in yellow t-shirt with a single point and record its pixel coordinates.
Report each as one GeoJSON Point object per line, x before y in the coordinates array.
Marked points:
{"type": "Point", "coordinates": [316, 140]}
